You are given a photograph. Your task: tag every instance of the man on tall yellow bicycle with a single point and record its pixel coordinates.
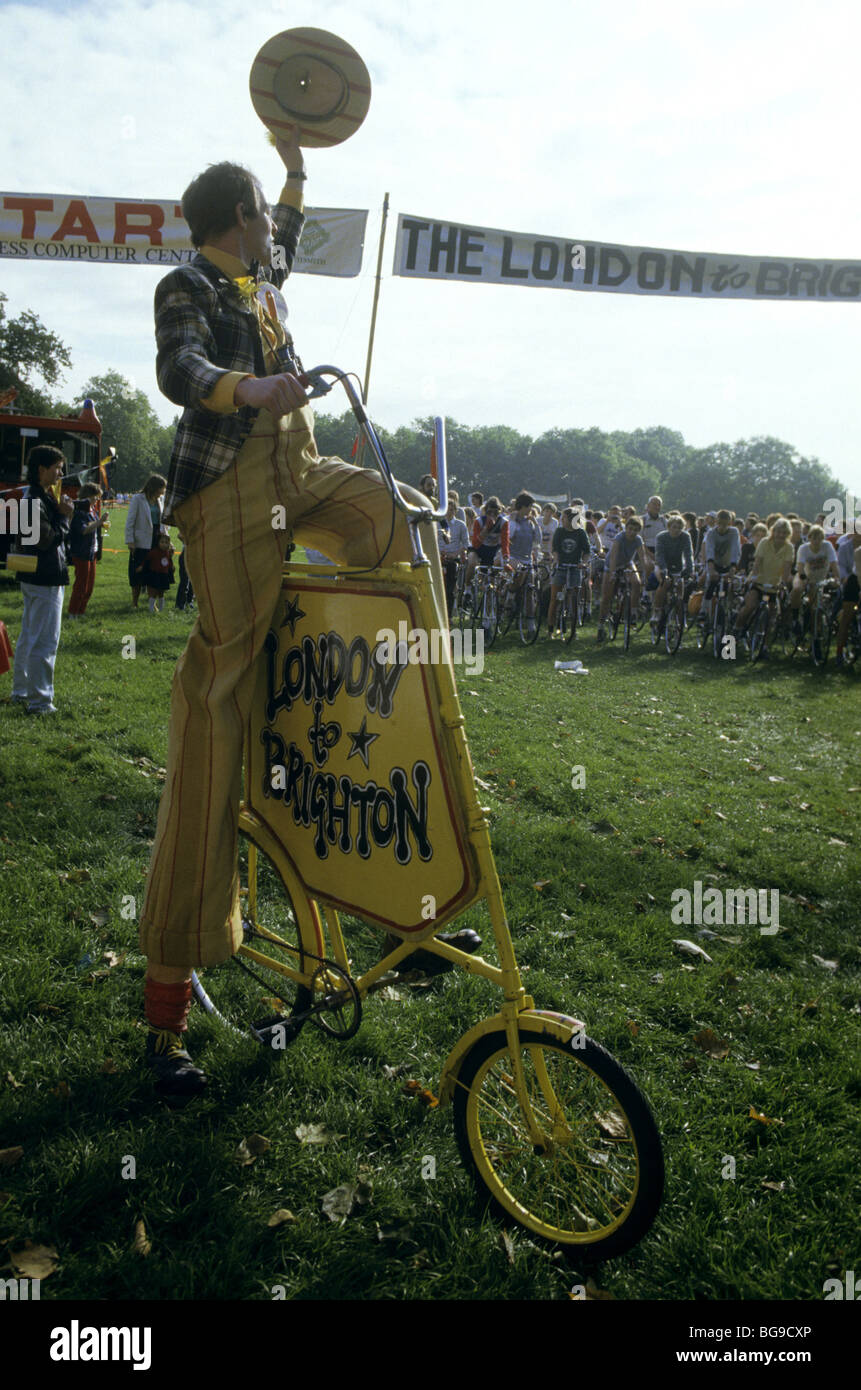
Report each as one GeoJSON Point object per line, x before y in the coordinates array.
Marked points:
{"type": "Point", "coordinates": [244, 476]}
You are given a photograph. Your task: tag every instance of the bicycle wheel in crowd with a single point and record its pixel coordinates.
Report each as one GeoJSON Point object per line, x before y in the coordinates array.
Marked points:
{"type": "Point", "coordinates": [627, 619]}
{"type": "Point", "coordinates": [489, 621]}
{"type": "Point", "coordinates": [508, 604]}
{"type": "Point", "coordinates": [758, 631]}
{"type": "Point", "coordinates": [719, 627]}
{"type": "Point", "coordinates": [615, 614]}
{"type": "Point", "coordinates": [466, 616]}
{"type": "Point", "coordinates": [570, 614]}
{"type": "Point", "coordinates": [674, 627]}
{"type": "Point", "coordinates": [594, 1182]}
{"type": "Point", "coordinates": [820, 636]}
{"type": "Point", "coordinates": [529, 621]}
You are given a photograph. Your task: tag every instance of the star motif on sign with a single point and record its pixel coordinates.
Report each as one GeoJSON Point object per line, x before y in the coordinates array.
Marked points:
{"type": "Point", "coordinates": [361, 742]}
{"type": "Point", "coordinates": [293, 614]}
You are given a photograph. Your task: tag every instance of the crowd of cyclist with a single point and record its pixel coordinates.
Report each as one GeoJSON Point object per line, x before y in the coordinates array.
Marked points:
{"type": "Point", "coordinates": [785, 554]}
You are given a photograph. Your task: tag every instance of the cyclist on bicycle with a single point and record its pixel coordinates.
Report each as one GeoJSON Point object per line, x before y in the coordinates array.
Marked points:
{"type": "Point", "coordinates": [674, 554]}
{"type": "Point", "coordinates": [453, 547]}
{"type": "Point", "coordinates": [627, 551]}
{"type": "Point", "coordinates": [524, 535]}
{"type": "Point", "coordinates": [489, 537]}
{"type": "Point", "coordinates": [816, 560]}
{"type": "Point", "coordinates": [570, 547]}
{"type": "Point", "coordinates": [772, 565]}
{"type": "Point", "coordinates": [850, 546]}
{"type": "Point", "coordinates": [722, 552]}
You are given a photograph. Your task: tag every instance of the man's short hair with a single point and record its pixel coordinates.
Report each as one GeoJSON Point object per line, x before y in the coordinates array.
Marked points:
{"type": "Point", "coordinates": [523, 499]}
{"type": "Point", "coordinates": [42, 456]}
{"type": "Point", "coordinates": [478, 495]}
{"type": "Point", "coordinates": [209, 202]}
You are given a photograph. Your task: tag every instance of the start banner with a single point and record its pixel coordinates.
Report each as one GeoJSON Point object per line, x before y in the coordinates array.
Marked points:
{"type": "Point", "coordinates": [133, 231]}
{"type": "Point", "coordinates": [434, 250]}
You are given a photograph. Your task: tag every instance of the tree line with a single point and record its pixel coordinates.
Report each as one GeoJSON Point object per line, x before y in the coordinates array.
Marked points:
{"type": "Point", "coordinates": [761, 474]}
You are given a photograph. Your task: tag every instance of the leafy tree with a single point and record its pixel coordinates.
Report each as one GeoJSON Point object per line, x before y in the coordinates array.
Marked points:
{"type": "Point", "coordinates": [131, 425]}
{"type": "Point", "coordinates": [28, 348]}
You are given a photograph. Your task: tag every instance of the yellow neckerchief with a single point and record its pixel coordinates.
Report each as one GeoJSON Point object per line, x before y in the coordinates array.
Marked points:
{"type": "Point", "coordinates": [271, 328]}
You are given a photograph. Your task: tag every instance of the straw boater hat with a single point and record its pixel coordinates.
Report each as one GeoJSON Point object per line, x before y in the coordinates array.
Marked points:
{"type": "Point", "coordinates": [313, 79]}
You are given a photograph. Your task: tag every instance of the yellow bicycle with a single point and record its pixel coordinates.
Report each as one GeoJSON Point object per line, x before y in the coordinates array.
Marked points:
{"type": "Point", "coordinates": [360, 813]}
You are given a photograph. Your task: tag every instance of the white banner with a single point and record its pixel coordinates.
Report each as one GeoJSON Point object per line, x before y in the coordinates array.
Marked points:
{"type": "Point", "coordinates": [483, 255]}
{"type": "Point", "coordinates": [132, 231]}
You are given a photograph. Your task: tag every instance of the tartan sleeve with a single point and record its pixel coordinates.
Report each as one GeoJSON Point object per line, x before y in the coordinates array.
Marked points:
{"type": "Point", "coordinates": [185, 370]}
{"type": "Point", "coordinates": [289, 222]}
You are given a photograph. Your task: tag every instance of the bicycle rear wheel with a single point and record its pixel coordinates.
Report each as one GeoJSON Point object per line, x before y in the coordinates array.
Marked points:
{"type": "Point", "coordinates": [570, 614]}
{"type": "Point", "coordinates": [820, 636]}
{"type": "Point", "coordinates": [719, 627]}
{"type": "Point", "coordinates": [509, 602]}
{"type": "Point", "coordinates": [593, 1184]}
{"type": "Point", "coordinates": [627, 619]}
{"type": "Point", "coordinates": [253, 997]}
{"type": "Point", "coordinates": [489, 621]}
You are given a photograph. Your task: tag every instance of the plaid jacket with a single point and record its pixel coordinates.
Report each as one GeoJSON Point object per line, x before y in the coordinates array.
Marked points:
{"type": "Point", "coordinates": [203, 329]}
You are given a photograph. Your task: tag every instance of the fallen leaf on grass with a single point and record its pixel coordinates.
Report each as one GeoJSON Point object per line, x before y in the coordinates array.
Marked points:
{"type": "Point", "coordinates": [541, 884]}
{"type": "Point", "coordinates": [595, 1295]}
{"type": "Point", "coordinates": [9, 1157]}
{"type": "Point", "coordinates": [775, 1186]}
{"type": "Point", "coordinates": [604, 827]}
{"type": "Point", "coordinates": [16, 1085]}
{"type": "Point", "coordinates": [754, 1114]}
{"type": "Point", "coordinates": [113, 959]}
{"type": "Point", "coordinates": [835, 841]}
{"type": "Point", "coordinates": [612, 1124]}
{"type": "Point", "coordinates": [720, 815]}
{"type": "Point", "coordinates": [101, 916]}
{"type": "Point", "coordinates": [633, 1028]}
{"type": "Point", "coordinates": [34, 1261]}
{"type": "Point", "coordinates": [709, 1043]}
{"type": "Point", "coordinates": [420, 1092]}
{"type": "Point", "coordinates": [508, 1246]}
{"type": "Point", "coordinates": [752, 1066]}
{"type": "Point", "coordinates": [247, 1150]}
{"type": "Point", "coordinates": [387, 992]}
{"type": "Point", "coordinates": [109, 1067]}
{"type": "Point", "coordinates": [141, 1245]}
{"type": "Point", "coordinates": [61, 1090]}
{"type": "Point", "coordinates": [690, 948]}
{"type": "Point", "coordinates": [279, 1217]}
{"type": "Point", "coordinates": [316, 1134]}
{"type": "Point", "coordinates": [342, 1201]}
{"type": "Point", "coordinates": [811, 1007]}
{"type": "Point", "coordinates": [74, 876]}
{"type": "Point", "coordinates": [826, 964]}
{"type": "Point", "coordinates": [391, 1073]}
{"type": "Point", "coordinates": [777, 779]}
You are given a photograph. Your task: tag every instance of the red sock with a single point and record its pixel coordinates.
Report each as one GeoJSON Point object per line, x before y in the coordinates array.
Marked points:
{"type": "Point", "coordinates": [166, 1006]}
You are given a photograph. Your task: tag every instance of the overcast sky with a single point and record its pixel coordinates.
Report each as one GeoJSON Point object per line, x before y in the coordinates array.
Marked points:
{"type": "Point", "coordinates": [690, 126]}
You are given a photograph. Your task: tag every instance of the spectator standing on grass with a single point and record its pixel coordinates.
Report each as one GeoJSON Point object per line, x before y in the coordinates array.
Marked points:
{"type": "Point", "coordinates": [42, 591]}
{"type": "Point", "coordinates": [453, 546]}
{"type": "Point", "coordinates": [83, 547]}
{"type": "Point", "coordinates": [549, 522]}
{"type": "Point", "coordinates": [143, 524]}
{"type": "Point", "coordinates": [159, 572]}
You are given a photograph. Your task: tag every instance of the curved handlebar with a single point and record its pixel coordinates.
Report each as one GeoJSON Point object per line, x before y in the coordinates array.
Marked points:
{"type": "Point", "coordinates": [320, 387]}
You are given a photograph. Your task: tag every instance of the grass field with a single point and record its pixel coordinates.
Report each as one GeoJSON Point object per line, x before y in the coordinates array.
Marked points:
{"type": "Point", "coordinates": [732, 775]}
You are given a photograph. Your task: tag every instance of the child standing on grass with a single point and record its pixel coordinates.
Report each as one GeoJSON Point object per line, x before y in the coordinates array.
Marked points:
{"type": "Point", "coordinates": [159, 572]}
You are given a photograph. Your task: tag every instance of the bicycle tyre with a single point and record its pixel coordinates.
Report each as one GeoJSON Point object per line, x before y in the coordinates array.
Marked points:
{"type": "Point", "coordinates": [719, 627]}
{"type": "Point", "coordinates": [603, 1150]}
{"type": "Point", "coordinates": [570, 613]}
{"type": "Point", "coordinates": [489, 614]}
{"type": "Point", "coordinates": [758, 631]}
{"type": "Point", "coordinates": [820, 637]}
{"type": "Point", "coordinates": [508, 608]}
{"type": "Point", "coordinates": [240, 994]}
{"type": "Point", "coordinates": [466, 615]}
{"type": "Point", "coordinates": [615, 614]}
{"type": "Point", "coordinates": [529, 617]}
{"type": "Point", "coordinates": [674, 627]}
{"type": "Point", "coordinates": [627, 620]}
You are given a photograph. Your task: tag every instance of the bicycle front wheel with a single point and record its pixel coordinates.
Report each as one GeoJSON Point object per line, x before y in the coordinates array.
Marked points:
{"type": "Point", "coordinates": [570, 614]}
{"type": "Point", "coordinates": [593, 1184]}
{"type": "Point", "coordinates": [674, 628]}
{"type": "Point", "coordinates": [820, 637]}
{"type": "Point", "coordinates": [627, 620]}
{"type": "Point", "coordinates": [759, 631]}
{"type": "Point", "coordinates": [529, 621]}
{"type": "Point", "coordinates": [490, 615]}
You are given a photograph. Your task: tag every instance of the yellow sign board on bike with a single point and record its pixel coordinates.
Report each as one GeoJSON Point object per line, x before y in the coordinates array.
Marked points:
{"type": "Point", "coordinates": [365, 804]}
